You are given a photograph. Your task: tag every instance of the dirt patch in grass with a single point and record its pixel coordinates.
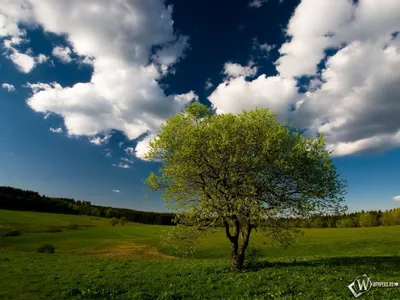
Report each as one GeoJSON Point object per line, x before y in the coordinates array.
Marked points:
{"type": "Point", "coordinates": [130, 251]}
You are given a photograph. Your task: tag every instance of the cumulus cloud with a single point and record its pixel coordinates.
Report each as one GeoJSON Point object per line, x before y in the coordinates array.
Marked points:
{"type": "Point", "coordinates": [233, 70]}
{"type": "Point", "coordinates": [116, 191]}
{"type": "Point", "coordinates": [41, 58]}
{"type": "Point", "coordinates": [208, 84]}
{"type": "Point", "coordinates": [257, 3]}
{"type": "Point", "coordinates": [353, 97]}
{"type": "Point", "coordinates": [397, 198]}
{"type": "Point", "coordinates": [130, 150]}
{"type": "Point", "coordinates": [118, 38]}
{"type": "Point", "coordinates": [127, 160]}
{"type": "Point", "coordinates": [9, 87]}
{"type": "Point", "coordinates": [62, 53]}
{"type": "Point", "coordinates": [237, 94]}
{"type": "Point", "coordinates": [56, 130]}
{"type": "Point", "coordinates": [23, 61]}
{"type": "Point", "coordinates": [97, 140]}
{"type": "Point", "coordinates": [121, 165]}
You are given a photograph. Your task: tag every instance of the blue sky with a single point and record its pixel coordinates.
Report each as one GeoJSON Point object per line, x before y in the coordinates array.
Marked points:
{"type": "Point", "coordinates": [86, 84]}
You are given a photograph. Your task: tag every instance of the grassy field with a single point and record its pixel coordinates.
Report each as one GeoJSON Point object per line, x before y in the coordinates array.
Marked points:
{"type": "Point", "coordinates": [98, 261]}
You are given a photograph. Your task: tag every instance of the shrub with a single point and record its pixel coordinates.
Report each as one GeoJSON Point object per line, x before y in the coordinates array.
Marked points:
{"type": "Point", "coordinates": [113, 221]}
{"type": "Point", "coordinates": [122, 221]}
{"type": "Point", "coordinates": [12, 232]}
{"type": "Point", "coordinates": [46, 248]}
{"type": "Point", "coordinates": [72, 226]}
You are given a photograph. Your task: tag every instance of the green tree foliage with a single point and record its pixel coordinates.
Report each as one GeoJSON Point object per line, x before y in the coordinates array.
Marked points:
{"type": "Point", "coordinates": [368, 219]}
{"type": "Point", "coordinates": [387, 219]}
{"type": "Point", "coordinates": [122, 221]}
{"type": "Point", "coordinates": [114, 221]}
{"type": "Point", "coordinates": [110, 213]}
{"type": "Point", "coordinates": [396, 216]}
{"type": "Point", "coordinates": [346, 222]}
{"type": "Point", "coordinates": [244, 172]}
{"type": "Point", "coordinates": [331, 223]}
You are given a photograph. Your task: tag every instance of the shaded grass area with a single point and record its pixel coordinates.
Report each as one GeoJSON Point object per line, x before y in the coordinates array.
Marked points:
{"type": "Point", "coordinates": [63, 276]}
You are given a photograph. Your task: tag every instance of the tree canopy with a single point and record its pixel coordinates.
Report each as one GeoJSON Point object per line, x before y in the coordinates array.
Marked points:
{"type": "Point", "coordinates": [242, 171]}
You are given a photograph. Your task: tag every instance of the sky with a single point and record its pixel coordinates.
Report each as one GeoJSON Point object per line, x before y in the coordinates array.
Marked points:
{"type": "Point", "coordinates": [85, 85]}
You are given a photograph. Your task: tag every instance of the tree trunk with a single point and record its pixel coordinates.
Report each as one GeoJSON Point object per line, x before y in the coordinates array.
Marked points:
{"type": "Point", "coordinates": [235, 262]}
{"type": "Point", "coordinates": [237, 254]}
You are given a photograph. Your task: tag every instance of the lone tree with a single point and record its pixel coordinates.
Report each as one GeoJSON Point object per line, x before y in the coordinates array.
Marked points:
{"type": "Point", "coordinates": [242, 172]}
{"type": "Point", "coordinates": [122, 221]}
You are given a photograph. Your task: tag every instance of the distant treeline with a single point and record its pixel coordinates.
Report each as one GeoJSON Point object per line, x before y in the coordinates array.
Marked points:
{"type": "Point", "coordinates": [357, 219]}
{"type": "Point", "coordinates": [18, 199]}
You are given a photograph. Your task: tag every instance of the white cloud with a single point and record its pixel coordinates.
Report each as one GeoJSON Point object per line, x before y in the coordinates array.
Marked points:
{"type": "Point", "coordinates": [62, 53]}
{"type": "Point", "coordinates": [130, 150]}
{"type": "Point", "coordinates": [24, 62]}
{"type": "Point", "coordinates": [56, 130]}
{"type": "Point", "coordinates": [267, 47]}
{"type": "Point", "coordinates": [116, 191]}
{"type": "Point", "coordinates": [9, 87]}
{"type": "Point", "coordinates": [118, 38]}
{"type": "Point", "coordinates": [354, 98]}
{"type": "Point", "coordinates": [120, 144]}
{"type": "Point", "coordinates": [237, 94]}
{"type": "Point", "coordinates": [142, 146]}
{"type": "Point", "coordinates": [108, 152]}
{"type": "Point", "coordinates": [257, 3]}
{"type": "Point", "coordinates": [232, 70]}
{"type": "Point", "coordinates": [41, 58]}
{"type": "Point", "coordinates": [121, 165]}
{"type": "Point", "coordinates": [97, 140]}
{"type": "Point", "coordinates": [397, 198]}
{"type": "Point", "coordinates": [127, 160]}
{"type": "Point", "coordinates": [209, 84]}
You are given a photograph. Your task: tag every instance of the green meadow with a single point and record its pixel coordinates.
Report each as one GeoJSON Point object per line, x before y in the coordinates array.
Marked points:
{"type": "Point", "coordinates": [94, 260]}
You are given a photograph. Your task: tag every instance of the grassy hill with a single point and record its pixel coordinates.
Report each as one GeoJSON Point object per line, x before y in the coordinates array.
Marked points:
{"type": "Point", "coordinates": [99, 261]}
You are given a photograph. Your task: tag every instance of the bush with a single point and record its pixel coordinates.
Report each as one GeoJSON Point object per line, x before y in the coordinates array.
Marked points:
{"type": "Point", "coordinates": [113, 221]}
{"type": "Point", "coordinates": [12, 232]}
{"type": "Point", "coordinates": [122, 221]}
{"type": "Point", "coordinates": [46, 248]}
{"type": "Point", "coordinates": [72, 226]}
